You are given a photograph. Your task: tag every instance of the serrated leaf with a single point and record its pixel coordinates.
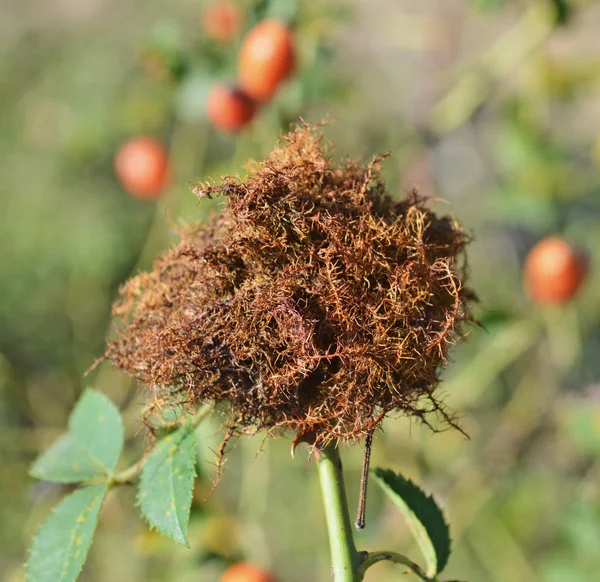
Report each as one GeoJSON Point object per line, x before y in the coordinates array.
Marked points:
{"type": "Point", "coordinates": [65, 462]}
{"type": "Point", "coordinates": [91, 447]}
{"type": "Point", "coordinates": [96, 424]}
{"type": "Point", "coordinates": [166, 483]}
{"type": "Point", "coordinates": [424, 517]}
{"type": "Point", "coordinates": [60, 547]}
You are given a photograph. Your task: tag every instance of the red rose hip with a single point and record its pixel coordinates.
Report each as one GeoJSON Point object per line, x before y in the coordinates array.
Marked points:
{"type": "Point", "coordinates": [229, 109]}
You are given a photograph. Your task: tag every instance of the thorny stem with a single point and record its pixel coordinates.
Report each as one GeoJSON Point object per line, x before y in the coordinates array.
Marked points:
{"type": "Point", "coordinates": [128, 475]}
{"type": "Point", "coordinates": [364, 482]}
{"type": "Point", "coordinates": [344, 556]}
{"type": "Point", "coordinates": [348, 564]}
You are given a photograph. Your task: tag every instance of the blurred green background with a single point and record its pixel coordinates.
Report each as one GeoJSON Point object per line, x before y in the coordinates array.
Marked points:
{"type": "Point", "coordinates": [491, 106]}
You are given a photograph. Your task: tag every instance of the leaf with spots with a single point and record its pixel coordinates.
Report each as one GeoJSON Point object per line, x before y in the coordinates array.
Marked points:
{"type": "Point", "coordinates": [91, 447]}
{"type": "Point", "coordinates": [61, 545]}
{"type": "Point", "coordinates": [66, 461]}
{"type": "Point", "coordinates": [423, 516]}
{"type": "Point", "coordinates": [166, 483]}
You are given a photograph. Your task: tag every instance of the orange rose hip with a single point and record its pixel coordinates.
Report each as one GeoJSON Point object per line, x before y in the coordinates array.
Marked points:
{"type": "Point", "coordinates": [246, 572]}
{"type": "Point", "coordinates": [267, 58]}
{"type": "Point", "coordinates": [141, 165]}
{"type": "Point", "coordinates": [221, 21]}
{"type": "Point", "coordinates": [554, 271]}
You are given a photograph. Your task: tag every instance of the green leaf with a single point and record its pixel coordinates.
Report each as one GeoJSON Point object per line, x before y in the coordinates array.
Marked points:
{"type": "Point", "coordinates": [91, 447]}
{"type": "Point", "coordinates": [96, 424]}
{"type": "Point", "coordinates": [66, 461]}
{"type": "Point", "coordinates": [424, 517]}
{"type": "Point", "coordinates": [563, 11]}
{"type": "Point", "coordinates": [166, 482]}
{"type": "Point", "coordinates": [488, 4]}
{"type": "Point", "coordinates": [61, 545]}
{"type": "Point", "coordinates": [286, 10]}
{"type": "Point", "coordinates": [581, 425]}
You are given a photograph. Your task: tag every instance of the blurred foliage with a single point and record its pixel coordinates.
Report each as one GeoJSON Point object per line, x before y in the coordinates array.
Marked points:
{"type": "Point", "coordinates": [490, 106]}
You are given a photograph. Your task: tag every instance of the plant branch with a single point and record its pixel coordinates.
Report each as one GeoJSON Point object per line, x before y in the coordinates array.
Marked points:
{"type": "Point", "coordinates": [477, 86]}
{"type": "Point", "coordinates": [374, 557]}
{"type": "Point", "coordinates": [344, 556]}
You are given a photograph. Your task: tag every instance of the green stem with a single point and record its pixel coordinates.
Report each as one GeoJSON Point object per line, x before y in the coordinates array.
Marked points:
{"type": "Point", "coordinates": [374, 557]}
{"type": "Point", "coordinates": [126, 476]}
{"type": "Point", "coordinates": [344, 556]}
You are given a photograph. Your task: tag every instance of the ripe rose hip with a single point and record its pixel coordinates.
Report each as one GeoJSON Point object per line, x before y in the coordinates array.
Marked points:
{"type": "Point", "coordinates": [267, 57]}
{"type": "Point", "coordinates": [246, 572]}
{"type": "Point", "coordinates": [554, 271]}
{"type": "Point", "coordinates": [221, 21]}
{"type": "Point", "coordinates": [141, 165]}
{"type": "Point", "coordinates": [229, 109]}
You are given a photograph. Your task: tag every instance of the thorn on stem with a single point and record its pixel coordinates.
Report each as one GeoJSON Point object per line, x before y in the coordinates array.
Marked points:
{"type": "Point", "coordinates": [364, 481]}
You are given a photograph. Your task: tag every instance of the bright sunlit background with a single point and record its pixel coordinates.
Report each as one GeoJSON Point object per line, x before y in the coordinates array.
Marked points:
{"type": "Point", "coordinates": [490, 106]}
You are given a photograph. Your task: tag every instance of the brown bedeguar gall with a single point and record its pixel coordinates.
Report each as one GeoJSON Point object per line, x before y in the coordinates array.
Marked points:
{"type": "Point", "coordinates": [315, 304]}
